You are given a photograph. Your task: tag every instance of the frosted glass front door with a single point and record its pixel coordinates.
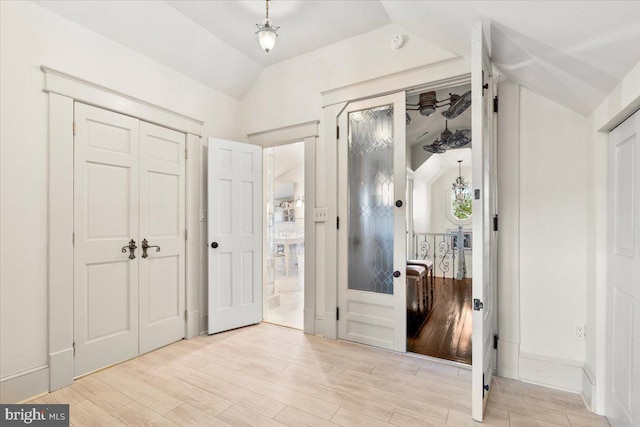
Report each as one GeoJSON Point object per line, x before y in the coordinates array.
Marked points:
{"type": "Point", "coordinates": [371, 200]}
{"type": "Point", "coordinates": [372, 233]}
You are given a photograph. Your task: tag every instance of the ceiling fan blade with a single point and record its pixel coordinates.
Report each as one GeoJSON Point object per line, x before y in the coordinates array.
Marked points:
{"type": "Point", "coordinates": [458, 107]}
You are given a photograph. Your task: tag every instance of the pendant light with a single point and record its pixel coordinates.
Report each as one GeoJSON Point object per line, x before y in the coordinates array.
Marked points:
{"type": "Point", "coordinates": [460, 187]}
{"type": "Point", "coordinates": [267, 32]}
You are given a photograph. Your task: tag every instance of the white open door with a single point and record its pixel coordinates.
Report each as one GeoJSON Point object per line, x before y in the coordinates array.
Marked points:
{"type": "Point", "coordinates": [484, 237]}
{"type": "Point", "coordinates": [235, 234]}
{"type": "Point", "coordinates": [623, 275]}
{"type": "Point", "coordinates": [372, 224]}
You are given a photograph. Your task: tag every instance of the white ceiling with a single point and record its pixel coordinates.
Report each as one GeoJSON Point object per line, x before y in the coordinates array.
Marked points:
{"type": "Point", "coordinates": [304, 25]}
{"type": "Point", "coordinates": [571, 52]}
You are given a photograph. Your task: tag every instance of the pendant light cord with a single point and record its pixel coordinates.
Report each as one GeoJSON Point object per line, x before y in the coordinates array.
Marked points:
{"type": "Point", "coordinates": [267, 2]}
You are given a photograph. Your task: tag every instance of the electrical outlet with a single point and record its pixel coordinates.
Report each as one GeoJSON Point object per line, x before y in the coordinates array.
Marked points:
{"type": "Point", "coordinates": [203, 215]}
{"type": "Point", "coordinates": [579, 332]}
{"type": "Point", "coordinates": [321, 214]}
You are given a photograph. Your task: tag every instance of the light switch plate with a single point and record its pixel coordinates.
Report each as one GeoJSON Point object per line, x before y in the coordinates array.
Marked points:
{"type": "Point", "coordinates": [321, 215]}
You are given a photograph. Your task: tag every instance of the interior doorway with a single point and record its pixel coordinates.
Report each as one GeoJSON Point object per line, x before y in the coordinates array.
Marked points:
{"type": "Point", "coordinates": [439, 224]}
{"type": "Point", "coordinates": [283, 301]}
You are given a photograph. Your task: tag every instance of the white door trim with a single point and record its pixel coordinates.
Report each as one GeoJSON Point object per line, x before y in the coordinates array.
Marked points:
{"type": "Point", "coordinates": [63, 90]}
{"type": "Point", "coordinates": [307, 132]}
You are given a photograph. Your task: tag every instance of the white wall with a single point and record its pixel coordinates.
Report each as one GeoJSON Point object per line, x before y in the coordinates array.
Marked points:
{"type": "Point", "coordinates": [30, 37]}
{"type": "Point", "coordinates": [439, 191]}
{"type": "Point", "coordinates": [553, 264]}
{"type": "Point", "coordinates": [294, 89]}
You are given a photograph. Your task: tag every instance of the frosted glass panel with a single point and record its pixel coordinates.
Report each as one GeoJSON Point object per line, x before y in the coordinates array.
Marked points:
{"type": "Point", "coordinates": [371, 200]}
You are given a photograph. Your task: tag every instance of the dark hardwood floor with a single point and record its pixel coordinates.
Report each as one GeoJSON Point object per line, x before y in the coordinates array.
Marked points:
{"type": "Point", "coordinates": [447, 332]}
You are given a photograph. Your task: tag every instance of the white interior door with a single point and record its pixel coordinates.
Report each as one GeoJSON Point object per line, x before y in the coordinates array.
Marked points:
{"type": "Point", "coordinates": [484, 238]}
{"type": "Point", "coordinates": [162, 227]}
{"type": "Point", "coordinates": [235, 234]}
{"type": "Point", "coordinates": [623, 284]}
{"type": "Point", "coordinates": [372, 232]}
{"type": "Point", "coordinates": [106, 164]}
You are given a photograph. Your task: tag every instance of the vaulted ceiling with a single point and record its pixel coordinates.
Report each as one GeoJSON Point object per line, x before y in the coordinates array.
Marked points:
{"type": "Point", "coordinates": [572, 52]}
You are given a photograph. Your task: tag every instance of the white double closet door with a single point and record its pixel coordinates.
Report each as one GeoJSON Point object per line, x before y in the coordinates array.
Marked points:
{"type": "Point", "coordinates": [129, 186]}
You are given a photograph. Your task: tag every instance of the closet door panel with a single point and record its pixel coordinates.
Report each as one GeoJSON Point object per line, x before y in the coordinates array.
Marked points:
{"type": "Point", "coordinates": [106, 161]}
{"type": "Point", "coordinates": [162, 227]}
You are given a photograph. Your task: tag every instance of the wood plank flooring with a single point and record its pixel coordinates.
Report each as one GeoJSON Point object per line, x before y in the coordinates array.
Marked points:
{"type": "Point", "coordinates": [266, 375]}
{"type": "Point", "coordinates": [447, 332]}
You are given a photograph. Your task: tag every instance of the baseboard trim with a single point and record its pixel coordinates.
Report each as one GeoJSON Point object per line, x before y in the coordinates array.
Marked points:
{"type": "Point", "coordinates": [204, 324]}
{"type": "Point", "coordinates": [309, 321]}
{"type": "Point", "coordinates": [61, 369]}
{"type": "Point", "coordinates": [508, 359]}
{"type": "Point", "coordinates": [588, 388]}
{"type": "Point", "coordinates": [561, 374]}
{"type": "Point", "coordinates": [193, 324]}
{"type": "Point", "coordinates": [24, 385]}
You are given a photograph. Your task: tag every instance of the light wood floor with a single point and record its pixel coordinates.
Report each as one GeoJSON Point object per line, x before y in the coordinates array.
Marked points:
{"type": "Point", "coordinates": [266, 375]}
{"type": "Point", "coordinates": [447, 332]}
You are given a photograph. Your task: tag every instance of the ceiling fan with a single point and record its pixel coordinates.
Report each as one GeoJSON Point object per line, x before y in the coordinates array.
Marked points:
{"type": "Point", "coordinates": [428, 103]}
{"type": "Point", "coordinates": [449, 140]}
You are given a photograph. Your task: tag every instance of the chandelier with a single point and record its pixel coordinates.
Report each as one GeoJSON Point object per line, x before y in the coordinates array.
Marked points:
{"type": "Point", "coordinates": [460, 187]}
{"type": "Point", "coordinates": [267, 32]}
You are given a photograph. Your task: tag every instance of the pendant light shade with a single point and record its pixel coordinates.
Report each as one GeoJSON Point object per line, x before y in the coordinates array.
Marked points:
{"type": "Point", "coordinates": [267, 33]}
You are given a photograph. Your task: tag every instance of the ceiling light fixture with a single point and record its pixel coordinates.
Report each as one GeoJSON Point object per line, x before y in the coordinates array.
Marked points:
{"type": "Point", "coordinates": [460, 187]}
{"type": "Point", "coordinates": [267, 32]}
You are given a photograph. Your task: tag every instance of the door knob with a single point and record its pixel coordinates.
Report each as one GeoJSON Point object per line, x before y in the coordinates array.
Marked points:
{"type": "Point", "coordinates": [396, 273]}
{"type": "Point", "coordinates": [131, 248]}
{"type": "Point", "coordinates": [214, 245]}
{"type": "Point", "coordinates": [399, 203]}
{"type": "Point", "coordinates": [145, 246]}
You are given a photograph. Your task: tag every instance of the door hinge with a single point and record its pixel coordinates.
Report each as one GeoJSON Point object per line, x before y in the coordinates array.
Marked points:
{"type": "Point", "coordinates": [495, 342]}
{"type": "Point", "coordinates": [73, 238]}
{"type": "Point", "coordinates": [337, 313]}
{"type": "Point", "coordinates": [337, 132]}
{"type": "Point", "coordinates": [186, 315]}
{"type": "Point", "coordinates": [186, 153]}
{"type": "Point", "coordinates": [186, 234]}
{"type": "Point", "coordinates": [74, 127]}
{"type": "Point", "coordinates": [477, 304]}
{"type": "Point", "coordinates": [495, 223]}
{"type": "Point", "coordinates": [338, 222]}
{"type": "Point", "coordinates": [74, 348]}
{"type": "Point", "coordinates": [485, 387]}
{"type": "Point", "coordinates": [495, 104]}
{"type": "Point", "coordinates": [476, 193]}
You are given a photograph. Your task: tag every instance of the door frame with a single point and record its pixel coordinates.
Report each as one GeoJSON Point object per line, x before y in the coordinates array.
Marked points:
{"type": "Point", "coordinates": [306, 132]}
{"type": "Point", "coordinates": [63, 91]}
{"type": "Point", "coordinates": [448, 73]}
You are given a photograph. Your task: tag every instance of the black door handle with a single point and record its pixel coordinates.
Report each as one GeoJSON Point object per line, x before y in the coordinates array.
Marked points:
{"type": "Point", "coordinates": [131, 247]}
{"type": "Point", "coordinates": [396, 273]}
{"type": "Point", "coordinates": [145, 246]}
{"type": "Point", "coordinates": [399, 203]}
{"type": "Point", "coordinates": [214, 245]}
